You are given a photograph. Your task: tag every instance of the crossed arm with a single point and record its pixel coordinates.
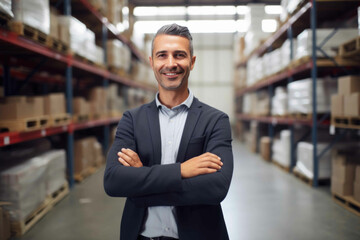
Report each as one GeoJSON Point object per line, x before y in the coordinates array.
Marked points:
{"type": "Point", "coordinates": [203, 179]}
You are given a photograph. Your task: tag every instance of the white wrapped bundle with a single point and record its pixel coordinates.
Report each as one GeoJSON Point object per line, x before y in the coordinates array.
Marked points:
{"type": "Point", "coordinates": [55, 175]}
{"type": "Point", "coordinates": [300, 95]}
{"type": "Point", "coordinates": [35, 13]}
{"type": "Point", "coordinates": [304, 41]}
{"type": "Point", "coordinates": [305, 163]}
{"type": "Point", "coordinates": [285, 52]}
{"type": "Point", "coordinates": [5, 7]}
{"type": "Point", "coordinates": [23, 186]}
{"type": "Point", "coordinates": [281, 149]}
{"type": "Point", "coordinates": [77, 31]}
{"type": "Point", "coordinates": [279, 104]}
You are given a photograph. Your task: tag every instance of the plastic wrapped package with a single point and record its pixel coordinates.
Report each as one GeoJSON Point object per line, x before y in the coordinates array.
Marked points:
{"type": "Point", "coordinates": [304, 41]}
{"type": "Point", "coordinates": [279, 106]}
{"type": "Point", "coordinates": [35, 13]}
{"type": "Point", "coordinates": [300, 95]}
{"type": "Point", "coordinates": [305, 163]}
{"type": "Point", "coordinates": [89, 47]}
{"type": "Point", "coordinates": [285, 52]}
{"type": "Point", "coordinates": [99, 55]}
{"type": "Point", "coordinates": [281, 149]}
{"type": "Point", "coordinates": [55, 175]}
{"type": "Point", "coordinates": [24, 186]}
{"type": "Point", "coordinates": [77, 33]}
{"type": "Point", "coordinates": [5, 7]}
{"type": "Point", "coordinates": [113, 53]}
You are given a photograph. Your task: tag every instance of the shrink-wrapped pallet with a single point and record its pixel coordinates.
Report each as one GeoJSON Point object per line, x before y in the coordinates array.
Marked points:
{"type": "Point", "coordinates": [305, 163]}
{"type": "Point", "coordinates": [281, 149]}
{"type": "Point", "coordinates": [300, 95]}
{"type": "Point", "coordinates": [279, 105]}
{"type": "Point", "coordinates": [286, 52]}
{"type": "Point", "coordinates": [35, 13]}
{"type": "Point", "coordinates": [55, 176]}
{"type": "Point", "coordinates": [5, 7]}
{"type": "Point", "coordinates": [76, 31]}
{"type": "Point", "coordinates": [24, 186]}
{"type": "Point", "coordinates": [305, 42]}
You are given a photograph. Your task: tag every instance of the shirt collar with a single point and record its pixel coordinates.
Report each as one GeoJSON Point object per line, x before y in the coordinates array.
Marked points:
{"type": "Point", "coordinates": [186, 103]}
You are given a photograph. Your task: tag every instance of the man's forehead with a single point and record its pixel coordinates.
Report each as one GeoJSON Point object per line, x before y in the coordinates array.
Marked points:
{"type": "Point", "coordinates": [171, 40]}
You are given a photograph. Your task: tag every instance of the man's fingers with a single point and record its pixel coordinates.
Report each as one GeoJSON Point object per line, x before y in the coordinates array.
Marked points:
{"type": "Point", "coordinates": [123, 162]}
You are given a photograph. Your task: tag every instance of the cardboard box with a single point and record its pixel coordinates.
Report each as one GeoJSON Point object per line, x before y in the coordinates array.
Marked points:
{"type": "Point", "coordinates": [38, 105]}
{"type": "Point", "coordinates": [343, 167]}
{"type": "Point", "coordinates": [337, 105]}
{"type": "Point", "coordinates": [352, 105]}
{"type": "Point", "coordinates": [348, 85]}
{"type": "Point", "coordinates": [54, 25]}
{"type": "Point", "coordinates": [357, 191]}
{"type": "Point", "coordinates": [357, 173]}
{"type": "Point", "coordinates": [54, 104]}
{"type": "Point", "coordinates": [342, 188]}
{"type": "Point", "coordinates": [83, 155]}
{"type": "Point", "coordinates": [64, 34]}
{"type": "Point", "coordinates": [265, 148]}
{"type": "Point", "coordinates": [17, 107]}
{"type": "Point", "coordinates": [80, 106]}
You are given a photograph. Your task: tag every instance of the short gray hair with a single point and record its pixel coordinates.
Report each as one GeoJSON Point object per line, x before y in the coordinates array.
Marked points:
{"type": "Point", "coordinates": [176, 30]}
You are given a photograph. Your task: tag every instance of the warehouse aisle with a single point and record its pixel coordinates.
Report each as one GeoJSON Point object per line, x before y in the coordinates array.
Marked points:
{"type": "Point", "coordinates": [263, 203]}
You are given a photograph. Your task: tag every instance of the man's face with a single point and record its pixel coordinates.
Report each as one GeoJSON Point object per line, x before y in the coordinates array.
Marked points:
{"type": "Point", "coordinates": [171, 61]}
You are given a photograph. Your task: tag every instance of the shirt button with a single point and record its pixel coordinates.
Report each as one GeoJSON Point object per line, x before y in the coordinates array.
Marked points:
{"type": "Point", "coordinates": [169, 142]}
{"type": "Point", "coordinates": [167, 229]}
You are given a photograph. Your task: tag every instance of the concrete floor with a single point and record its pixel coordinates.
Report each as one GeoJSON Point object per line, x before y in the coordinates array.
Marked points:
{"type": "Point", "coordinates": [264, 202]}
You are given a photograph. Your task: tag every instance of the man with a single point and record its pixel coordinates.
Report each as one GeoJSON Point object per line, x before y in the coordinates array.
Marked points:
{"type": "Point", "coordinates": [171, 158]}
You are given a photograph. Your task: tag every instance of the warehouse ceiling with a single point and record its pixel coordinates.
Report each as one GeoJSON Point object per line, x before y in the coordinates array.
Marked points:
{"type": "Point", "coordinates": [199, 2]}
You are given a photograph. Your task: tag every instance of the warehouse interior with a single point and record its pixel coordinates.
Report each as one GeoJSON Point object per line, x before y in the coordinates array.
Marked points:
{"type": "Point", "coordinates": [286, 72]}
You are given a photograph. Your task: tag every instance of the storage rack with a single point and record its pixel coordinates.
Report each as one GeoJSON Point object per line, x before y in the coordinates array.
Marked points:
{"type": "Point", "coordinates": [66, 65]}
{"type": "Point", "coordinates": [308, 14]}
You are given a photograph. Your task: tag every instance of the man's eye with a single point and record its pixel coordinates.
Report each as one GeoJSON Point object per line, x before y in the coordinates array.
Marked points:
{"type": "Point", "coordinates": [180, 55]}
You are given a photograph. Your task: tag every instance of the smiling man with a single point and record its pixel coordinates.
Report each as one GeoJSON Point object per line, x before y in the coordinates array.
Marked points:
{"type": "Point", "coordinates": [172, 158]}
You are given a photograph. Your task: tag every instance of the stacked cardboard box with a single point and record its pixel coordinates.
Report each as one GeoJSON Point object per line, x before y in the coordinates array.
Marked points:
{"type": "Point", "coordinates": [357, 183]}
{"type": "Point", "coordinates": [265, 148]}
{"type": "Point", "coordinates": [81, 107]}
{"type": "Point", "coordinates": [343, 173]}
{"type": "Point", "coordinates": [118, 55]}
{"type": "Point", "coordinates": [88, 153]}
{"type": "Point", "coordinates": [98, 102]}
{"type": "Point", "coordinates": [115, 102]}
{"type": "Point", "coordinates": [347, 100]}
{"type": "Point", "coordinates": [54, 104]}
{"type": "Point", "coordinates": [20, 107]}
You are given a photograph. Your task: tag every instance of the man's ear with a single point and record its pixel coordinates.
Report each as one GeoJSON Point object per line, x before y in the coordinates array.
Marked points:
{"type": "Point", "coordinates": [151, 62]}
{"type": "Point", "coordinates": [193, 59]}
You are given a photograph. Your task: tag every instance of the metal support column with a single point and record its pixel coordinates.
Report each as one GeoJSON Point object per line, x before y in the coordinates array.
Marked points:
{"type": "Point", "coordinates": [271, 131]}
{"type": "Point", "coordinates": [314, 97]}
{"type": "Point", "coordinates": [106, 128]}
{"type": "Point", "coordinates": [70, 135]}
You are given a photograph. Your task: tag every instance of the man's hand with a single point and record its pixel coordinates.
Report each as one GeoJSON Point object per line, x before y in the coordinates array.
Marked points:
{"type": "Point", "coordinates": [129, 158]}
{"type": "Point", "coordinates": [203, 164]}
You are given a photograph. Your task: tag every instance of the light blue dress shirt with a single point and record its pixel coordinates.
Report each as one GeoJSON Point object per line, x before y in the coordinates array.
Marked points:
{"type": "Point", "coordinates": [161, 220]}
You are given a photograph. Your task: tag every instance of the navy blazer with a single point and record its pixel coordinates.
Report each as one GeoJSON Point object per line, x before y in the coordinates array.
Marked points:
{"type": "Point", "coordinates": [196, 200]}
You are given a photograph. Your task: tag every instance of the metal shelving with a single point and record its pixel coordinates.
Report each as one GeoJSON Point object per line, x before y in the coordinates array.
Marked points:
{"type": "Point", "coordinates": [308, 15]}
{"type": "Point", "coordinates": [14, 47]}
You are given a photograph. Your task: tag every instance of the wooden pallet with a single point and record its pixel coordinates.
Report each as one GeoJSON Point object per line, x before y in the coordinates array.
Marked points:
{"type": "Point", "coordinates": [346, 122]}
{"type": "Point", "coordinates": [21, 227]}
{"type": "Point", "coordinates": [117, 71]}
{"type": "Point", "coordinates": [25, 124]}
{"type": "Point", "coordinates": [282, 167]}
{"type": "Point", "coordinates": [325, 62]}
{"type": "Point", "coordinates": [29, 32]}
{"type": "Point", "coordinates": [348, 202]}
{"type": "Point", "coordinates": [115, 113]}
{"type": "Point", "coordinates": [80, 118]}
{"type": "Point", "coordinates": [60, 119]}
{"type": "Point", "coordinates": [350, 49]}
{"type": "Point", "coordinates": [309, 181]}
{"type": "Point", "coordinates": [58, 45]}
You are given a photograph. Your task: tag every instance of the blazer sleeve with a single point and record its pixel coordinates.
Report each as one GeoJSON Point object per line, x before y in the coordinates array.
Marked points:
{"type": "Point", "coordinates": [208, 189]}
{"type": "Point", "coordinates": [122, 181]}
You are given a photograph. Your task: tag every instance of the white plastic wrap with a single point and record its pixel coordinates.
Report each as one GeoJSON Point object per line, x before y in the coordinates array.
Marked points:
{"type": "Point", "coordinates": [77, 31]}
{"type": "Point", "coordinates": [24, 186]}
{"type": "Point", "coordinates": [119, 55]}
{"type": "Point", "coordinates": [35, 13]}
{"type": "Point", "coordinates": [55, 175]}
{"type": "Point", "coordinates": [305, 163]}
{"type": "Point", "coordinates": [304, 41]}
{"type": "Point", "coordinates": [281, 149]}
{"type": "Point", "coordinates": [285, 52]}
{"type": "Point", "coordinates": [279, 105]}
{"type": "Point", "coordinates": [300, 95]}
{"type": "Point", "coordinates": [5, 7]}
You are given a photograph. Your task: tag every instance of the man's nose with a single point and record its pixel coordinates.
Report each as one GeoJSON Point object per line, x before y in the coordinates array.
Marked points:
{"type": "Point", "coordinates": [171, 62]}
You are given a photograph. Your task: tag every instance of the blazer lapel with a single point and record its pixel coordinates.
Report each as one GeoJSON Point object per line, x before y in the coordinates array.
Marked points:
{"type": "Point", "coordinates": [192, 119]}
{"type": "Point", "coordinates": [154, 126]}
